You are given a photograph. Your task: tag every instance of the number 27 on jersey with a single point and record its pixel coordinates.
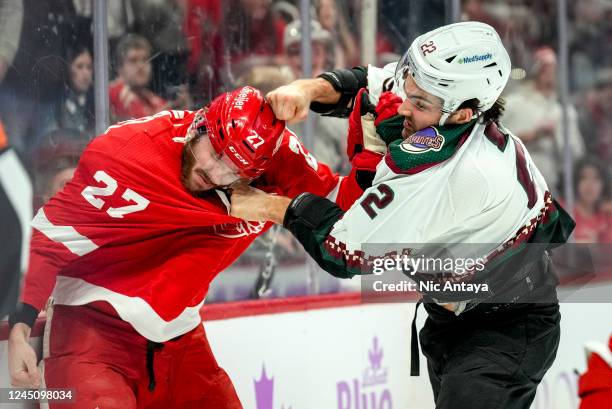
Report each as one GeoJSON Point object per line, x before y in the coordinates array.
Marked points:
{"type": "Point", "coordinates": [93, 195]}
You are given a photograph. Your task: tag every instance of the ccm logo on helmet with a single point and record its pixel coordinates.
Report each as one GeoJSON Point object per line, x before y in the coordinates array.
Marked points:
{"type": "Point", "coordinates": [238, 156]}
{"type": "Point", "coordinates": [241, 98]}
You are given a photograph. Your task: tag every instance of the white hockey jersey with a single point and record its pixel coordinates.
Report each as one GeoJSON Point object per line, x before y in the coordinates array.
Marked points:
{"type": "Point", "coordinates": [470, 190]}
{"type": "Point", "coordinates": [452, 184]}
{"type": "Point", "coordinates": [461, 186]}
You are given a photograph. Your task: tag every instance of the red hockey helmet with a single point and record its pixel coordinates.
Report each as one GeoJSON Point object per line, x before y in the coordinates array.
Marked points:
{"type": "Point", "coordinates": [242, 126]}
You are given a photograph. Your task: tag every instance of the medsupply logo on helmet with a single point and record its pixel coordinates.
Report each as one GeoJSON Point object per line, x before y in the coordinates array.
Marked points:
{"type": "Point", "coordinates": [425, 140]}
{"type": "Point", "coordinates": [466, 60]}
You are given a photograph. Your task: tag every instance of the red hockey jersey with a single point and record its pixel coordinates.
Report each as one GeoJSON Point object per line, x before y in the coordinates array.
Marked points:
{"type": "Point", "coordinates": [126, 231]}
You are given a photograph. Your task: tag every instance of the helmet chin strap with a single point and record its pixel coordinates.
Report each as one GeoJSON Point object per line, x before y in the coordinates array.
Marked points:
{"type": "Point", "coordinates": [443, 118]}
{"type": "Point", "coordinates": [446, 115]}
{"type": "Point", "coordinates": [448, 107]}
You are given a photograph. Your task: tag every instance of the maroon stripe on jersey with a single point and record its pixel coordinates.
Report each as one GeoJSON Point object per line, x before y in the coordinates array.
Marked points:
{"type": "Point", "coordinates": [494, 135]}
{"type": "Point", "coordinates": [524, 177]}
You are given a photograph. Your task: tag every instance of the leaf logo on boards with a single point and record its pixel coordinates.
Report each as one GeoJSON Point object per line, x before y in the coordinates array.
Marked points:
{"type": "Point", "coordinates": [264, 391]}
{"type": "Point", "coordinates": [369, 392]}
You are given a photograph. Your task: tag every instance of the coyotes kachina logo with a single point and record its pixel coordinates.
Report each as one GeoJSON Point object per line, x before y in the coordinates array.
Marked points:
{"type": "Point", "coordinates": [425, 140]}
{"type": "Point", "coordinates": [369, 392]}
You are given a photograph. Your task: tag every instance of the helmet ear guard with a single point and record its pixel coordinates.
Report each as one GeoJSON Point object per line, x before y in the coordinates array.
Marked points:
{"type": "Point", "coordinates": [456, 63]}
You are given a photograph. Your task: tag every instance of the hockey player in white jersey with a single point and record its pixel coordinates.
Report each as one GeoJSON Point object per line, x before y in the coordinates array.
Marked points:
{"type": "Point", "coordinates": [449, 173]}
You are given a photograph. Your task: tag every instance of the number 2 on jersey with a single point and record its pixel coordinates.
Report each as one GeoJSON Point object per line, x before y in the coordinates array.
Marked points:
{"type": "Point", "coordinates": [373, 199]}
{"type": "Point", "coordinates": [92, 193]}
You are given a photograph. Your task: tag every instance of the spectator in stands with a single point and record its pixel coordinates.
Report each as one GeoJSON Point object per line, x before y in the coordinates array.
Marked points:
{"type": "Point", "coordinates": [34, 80]}
{"type": "Point", "coordinates": [320, 42]}
{"type": "Point", "coordinates": [57, 172]}
{"type": "Point", "coordinates": [120, 17]}
{"type": "Point", "coordinates": [329, 135]}
{"type": "Point", "coordinates": [535, 115]}
{"type": "Point", "coordinates": [591, 40]}
{"type": "Point", "coordinates": [202, 22]}
{"type": "Point", "coordinates": [596, 116]}
{"type": "Point", "coordinates": [11, 17]}
{"type": "Point", "coordinates": [523, 26]}
{"type": "Point", "coordinates": [344, 51]}
{"type": "Point", "coordinates": [592, 187]}
{"type": "Point", "coordinates": [384, 46]}
{"type": "Point", "coordinates": [249, 29]}
{"type": "Point", "coordinates": [130, 96]}
{"type": "Point", "coordinates": [161, 22]}
{"type": "Point", "coordinates": [266, 78]}
{"type": "Point", "coordinates": [76, 107]}
{"type": "Point", "coordinates": [476, 10]}
{"type": "Point", "coordinates": [54, 163]}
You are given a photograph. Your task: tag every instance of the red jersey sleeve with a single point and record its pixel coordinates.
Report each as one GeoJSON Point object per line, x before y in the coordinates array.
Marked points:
{"type": "Point", "coordinates": [294, 170]}
{"type": "Point", "coordinates": [47, 258]}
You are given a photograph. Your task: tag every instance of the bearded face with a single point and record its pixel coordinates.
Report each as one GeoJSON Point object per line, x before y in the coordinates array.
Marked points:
{"type": "Point", "coordinates": [203, 169]}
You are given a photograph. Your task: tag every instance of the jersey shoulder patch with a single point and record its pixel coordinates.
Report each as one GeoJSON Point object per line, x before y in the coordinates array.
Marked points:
{"type": "Point", "coordinates": [426, 148]}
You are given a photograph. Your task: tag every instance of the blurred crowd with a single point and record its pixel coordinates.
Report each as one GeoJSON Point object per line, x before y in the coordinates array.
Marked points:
{"type": "Point", "coordinates": [179, 54]}
{"type": "Point", "coordinates": [533, 109]}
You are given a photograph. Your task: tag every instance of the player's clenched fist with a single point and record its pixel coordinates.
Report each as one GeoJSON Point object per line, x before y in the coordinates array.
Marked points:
{"type": "Point", "coordinates": [290, 102]}
{"type": "Point", "coordinates": [22, 359]}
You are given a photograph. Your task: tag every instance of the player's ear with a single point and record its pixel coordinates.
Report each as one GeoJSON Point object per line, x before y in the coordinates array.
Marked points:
{"type": "Point", "coordinates": [461, 116]}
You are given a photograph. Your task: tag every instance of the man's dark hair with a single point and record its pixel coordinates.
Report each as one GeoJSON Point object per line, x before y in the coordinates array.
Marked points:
{"type": "Point", "coordinates": [130, 42]}
{"type": "Point", "coordinates": [492, 114]}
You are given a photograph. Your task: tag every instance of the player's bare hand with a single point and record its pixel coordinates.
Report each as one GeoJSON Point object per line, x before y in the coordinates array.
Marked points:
{"type": "Point", "coordinates": [22, 359]}
{"type": "Point", "coordinates": [249, 203]}
{"type": "Point", "coordinates": [290, 102]}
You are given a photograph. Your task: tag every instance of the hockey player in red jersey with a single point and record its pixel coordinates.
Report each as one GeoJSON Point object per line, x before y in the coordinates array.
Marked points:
{"type": "Point", "coordinates": [129, 247]}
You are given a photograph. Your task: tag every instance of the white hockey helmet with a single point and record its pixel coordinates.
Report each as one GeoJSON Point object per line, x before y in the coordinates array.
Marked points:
{"type": "Point", "coordinates": [458, 62]}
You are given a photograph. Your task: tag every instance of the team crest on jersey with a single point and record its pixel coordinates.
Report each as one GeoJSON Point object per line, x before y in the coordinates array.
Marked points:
{"type": "Point", "coordinates": [425, 140]}
{"type": "Point", "coordinates": [236, 230]}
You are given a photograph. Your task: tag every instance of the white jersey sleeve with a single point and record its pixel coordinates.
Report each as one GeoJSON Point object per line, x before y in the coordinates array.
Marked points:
{"type": "Point", "coordinates": [380, 80]}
